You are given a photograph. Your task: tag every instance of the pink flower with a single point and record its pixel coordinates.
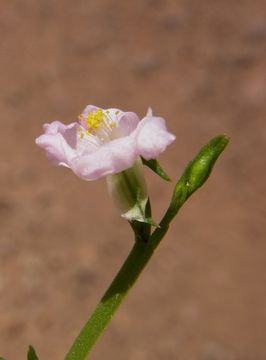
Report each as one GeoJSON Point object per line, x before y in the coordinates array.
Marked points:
{"type": "Point", "coordinates": [104, 142]}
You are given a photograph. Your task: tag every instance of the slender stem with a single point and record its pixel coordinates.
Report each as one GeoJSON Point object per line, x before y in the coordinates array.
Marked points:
{"type": "Point", "coordinates": [194, 176]}
{"type": "Point", "coordinates": [124, 280]}
{"type": "Point", "coordinates": [126, 277]}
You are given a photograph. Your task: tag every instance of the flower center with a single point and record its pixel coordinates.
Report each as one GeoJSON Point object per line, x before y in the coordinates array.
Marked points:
{"type": "Point", "coordinates": [99, 123]}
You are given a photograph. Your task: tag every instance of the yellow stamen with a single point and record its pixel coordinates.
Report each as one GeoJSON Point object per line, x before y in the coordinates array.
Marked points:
{"type": "Point", "coordinates": [80, 133]}
{"type": "Point", "coordinates": [95, 119]}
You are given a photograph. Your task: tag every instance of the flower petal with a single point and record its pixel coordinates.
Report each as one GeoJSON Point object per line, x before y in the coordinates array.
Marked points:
{"type": "Point", "coordinates": [152, 137]}
{"type": "Point", "coordinates": [59, 141]}
{"type": "Point", "coordinates": [88, 109]}
{"type": "Point", "coordinates": [107, 149]}
{"type": "Point", "coordinates": [128, 122]}
{"type": "Point", "coordinates": [110, 158]}
{"type": "Point", "coordinates": [124, 122]}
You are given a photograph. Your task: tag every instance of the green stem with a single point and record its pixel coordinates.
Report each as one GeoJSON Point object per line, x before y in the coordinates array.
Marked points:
{"type": "Point", "coordinates": [122, 283]}
{"type": "Point", "coordinates": [126, 277]}
{"type": "Point", "coordinates": [194, 176]}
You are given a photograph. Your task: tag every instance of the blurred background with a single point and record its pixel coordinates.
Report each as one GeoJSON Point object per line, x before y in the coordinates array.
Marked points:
{"type": "Point", "coordinates": [202, 66]}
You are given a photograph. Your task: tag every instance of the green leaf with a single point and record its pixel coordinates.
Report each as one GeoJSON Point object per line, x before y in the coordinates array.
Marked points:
{"type": "Point", "coordinates": [32, 354]}
{"type": "Point", "coordinates": [154, 165]}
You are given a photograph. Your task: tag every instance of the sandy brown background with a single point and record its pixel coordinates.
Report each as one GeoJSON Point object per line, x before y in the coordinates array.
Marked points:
{"type": "Point", "coordinates": [202, 66]}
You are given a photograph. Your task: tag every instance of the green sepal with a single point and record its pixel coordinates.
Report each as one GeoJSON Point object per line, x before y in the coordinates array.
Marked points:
{"type": "Point", "coordinates": [32, 354]}
{"type": "Point", "coordinates": [151, 222]}
{"type": "Point", "coordinates": [154, 165]}
{"type": "Point", "coordinates": [138, 213]}
{"type": "Point", "coordinates": [142, 227]}
{"type": "Point", "coordinates": [128, 190]}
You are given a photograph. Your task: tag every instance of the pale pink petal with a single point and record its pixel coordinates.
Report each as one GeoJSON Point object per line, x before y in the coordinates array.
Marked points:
{"type": "Point", "coordinates": [149, 112]}
{"type": "Point", "coordinates": [86, 144]}
{"type": "Point", "coordinates": [112, 157]}
{"type": "Point", "coordinates": [88, 109]}
{"type": "Point", "coordinates": [107, 150]}
{"type": "Point", "coordinates": [127, 123]}
{"type": "Point", "coordinates": [114, 116]}
{"type": "Point", "coordinates": [59, 141]}
{"type": "Point", "coordinates": [152, 137]}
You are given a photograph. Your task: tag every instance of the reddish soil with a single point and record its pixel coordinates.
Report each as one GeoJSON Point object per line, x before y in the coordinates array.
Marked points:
{"type": "Point", "coordinates": [202, 66]}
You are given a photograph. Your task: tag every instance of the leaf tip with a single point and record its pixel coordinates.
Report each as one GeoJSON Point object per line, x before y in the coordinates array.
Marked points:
{"type": "Point", "coordinates": [32, 354]}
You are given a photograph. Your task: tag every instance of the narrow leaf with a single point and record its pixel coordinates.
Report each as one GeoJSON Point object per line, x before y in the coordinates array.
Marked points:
{"type": "Point", "coordinates": [154, 165]}
{"type": "Point", "coordinates": [32, 354]}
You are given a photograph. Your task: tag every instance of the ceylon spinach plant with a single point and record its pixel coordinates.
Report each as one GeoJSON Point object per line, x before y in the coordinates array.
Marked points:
{"type": "Point", "coordinates": [116, 145]}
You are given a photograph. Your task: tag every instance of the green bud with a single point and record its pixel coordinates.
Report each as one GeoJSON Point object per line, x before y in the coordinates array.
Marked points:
{"type": "Point", "coordinates": [196, 172]}
{"type": "Point", "coordinates": [194, 176]}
